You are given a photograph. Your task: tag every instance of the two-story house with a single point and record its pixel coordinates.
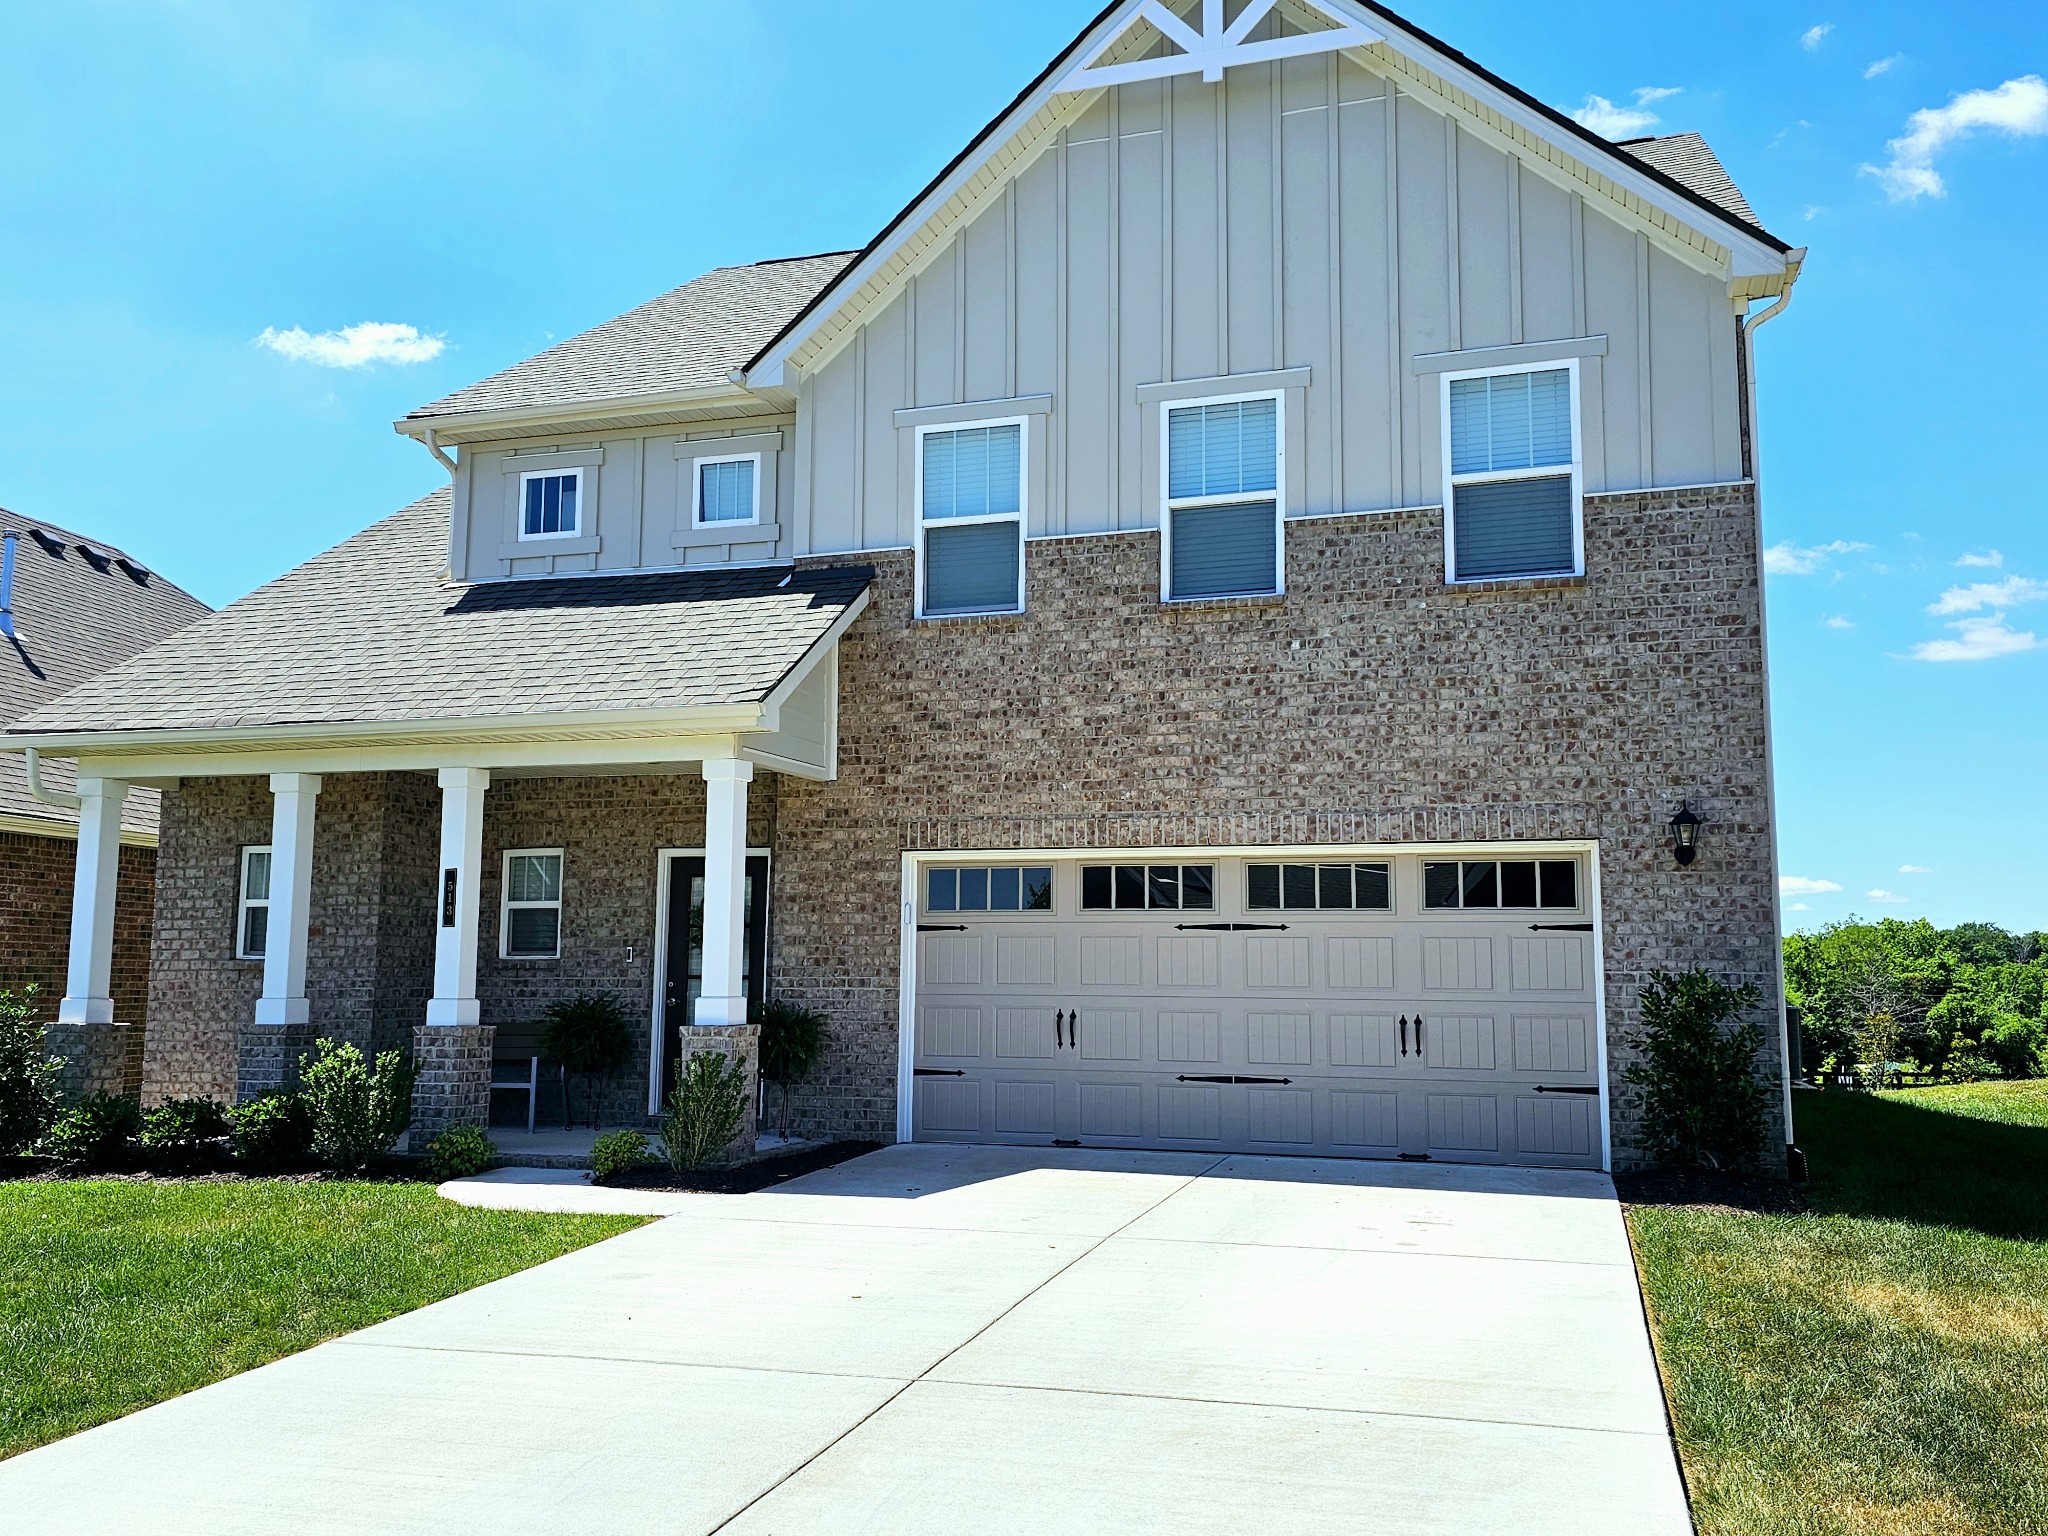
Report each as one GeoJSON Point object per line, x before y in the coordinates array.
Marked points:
{"type": "Point", "coordinates": [1235, 621]}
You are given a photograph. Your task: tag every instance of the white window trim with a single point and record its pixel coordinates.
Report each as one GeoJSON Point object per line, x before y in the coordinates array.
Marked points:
{"type": "Point", "coordinates": [1021, 517]}
{"type": "Point", "coordinates": [566, 472]}
{"type": "Point", "coordinates": [506, 904]}
{"type": "Point", "coordinates": [1451, 482]}
{"type": "Point", "coordinates": [697, 468]}
{"type": "Point", "coordinates": [243, 902]}
{"type": "Point", "coordinates": [1168, 504]}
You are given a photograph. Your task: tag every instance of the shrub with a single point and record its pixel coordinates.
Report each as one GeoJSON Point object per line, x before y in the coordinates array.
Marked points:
{"type": "Point", "coordinates": [184, 1125]}
{"type": "Point", "coordinates": [460, 1152]}
{"type": "Point", "coordinates": [28, 1076]}
{"type": "Point", "coordinates": [1703, 1104]}
{"type": "Point", "coordinates": [616, 1152]}
{"type": "Point", "coordinates": [274, 1133]}
{"type": "Point", "coordinates": [97, 1132]}
{"type": "Point", "coordinates": [792, 1039]}
{"type": "Point", "coordinates": [705, 1110]}
{"type": "Point", "coordinates": [590, 1036]}
{"type": "Point", "coordinates": [359, 1109]}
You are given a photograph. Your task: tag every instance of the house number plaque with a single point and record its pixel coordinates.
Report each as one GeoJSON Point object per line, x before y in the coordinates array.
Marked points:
{"type": "Point", "coordinates": [447, 898]}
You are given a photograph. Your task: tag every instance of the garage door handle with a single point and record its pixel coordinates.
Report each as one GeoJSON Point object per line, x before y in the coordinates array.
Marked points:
{"type": "Point", "coordinates": [1187, 1078]}
{"type": "Point", "coordinates": [1058, 1024]}
{"type": "Point", "coordinates": [1418, 1034]}
{"type": "Point", "coordinates": [1229, 927]}
{"type": "Point", "coordinates": [939, 1072]}
{"type": "Point", "coordinates": [1588, 1092]}
{"type": "Point", "coordinates": [1074, 1029]}
{"type": "Point", "coordinates": [1404, 1034]}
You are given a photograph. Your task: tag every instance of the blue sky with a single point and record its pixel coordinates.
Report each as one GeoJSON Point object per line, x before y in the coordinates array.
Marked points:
{"type": "Point", "coordinates": [180, 179]}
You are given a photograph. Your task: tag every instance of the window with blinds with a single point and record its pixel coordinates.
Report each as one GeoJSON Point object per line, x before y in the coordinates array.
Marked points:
{"type": "Point", "coordinates": [1223, 499]}
{"type": "Point", "coordinates": [1513, 474]}
{"type": "Point", "coordinates": [971, 519]}
{"type": "Point", "coordinates": [728, 490]}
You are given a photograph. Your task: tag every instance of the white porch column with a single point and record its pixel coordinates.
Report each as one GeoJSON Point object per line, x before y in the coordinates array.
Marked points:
{"type": "Point", "coordinates": [89, 976]}
{"type": "Point", "coordinates": [456, 911]}
{"type": "Point", "coordinates": [293, 796]}
{"type": "Point", "coordinates": [723, 1000]}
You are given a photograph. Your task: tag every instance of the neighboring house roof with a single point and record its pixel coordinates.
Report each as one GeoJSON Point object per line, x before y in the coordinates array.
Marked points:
{"type": "Point", "coordinates": [692, 337]}
{"type": "Point", "coordinates": [1686, 159]}
{"type": "Point", "coordinates": [369, 633]}
{"type": "Point", "coordinates": [80, 607]}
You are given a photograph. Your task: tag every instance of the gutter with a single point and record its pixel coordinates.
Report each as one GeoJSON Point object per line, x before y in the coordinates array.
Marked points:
{"type": "Point", "coordinates": [421, 428]}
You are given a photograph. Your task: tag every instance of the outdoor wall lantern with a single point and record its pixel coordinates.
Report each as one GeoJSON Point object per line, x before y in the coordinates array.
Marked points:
{"type": "Point", "coordinates": [1685, 835]}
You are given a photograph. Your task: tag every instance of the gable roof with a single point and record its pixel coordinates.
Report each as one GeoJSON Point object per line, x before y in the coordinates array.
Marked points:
{"type": "Point", "coordinates": [368, 634]}
{"type": "Point", "coordinates": [690, 338]}
{"type": "Point", "coordinates": [1686, 159]}
{"type": "Point", "coordinates": [80, 607]}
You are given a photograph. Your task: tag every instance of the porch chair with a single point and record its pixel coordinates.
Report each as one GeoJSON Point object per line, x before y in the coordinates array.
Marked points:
{"type": "Point", "coordinates": [518, 1074]}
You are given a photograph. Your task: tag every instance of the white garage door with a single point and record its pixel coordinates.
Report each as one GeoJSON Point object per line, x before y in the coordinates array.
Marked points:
{"type": "Point", "coordinates": [1404, 1006]}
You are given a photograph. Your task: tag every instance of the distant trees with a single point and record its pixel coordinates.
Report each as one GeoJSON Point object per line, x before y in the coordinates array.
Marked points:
{"type": "Point", "coordinates": [1969, 1001]}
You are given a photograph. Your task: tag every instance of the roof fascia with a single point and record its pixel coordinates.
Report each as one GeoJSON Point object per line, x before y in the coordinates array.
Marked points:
{"type": "Point", "coordinates": [803, 666]}
{"type": "Point", "coordinates": [449, 427]}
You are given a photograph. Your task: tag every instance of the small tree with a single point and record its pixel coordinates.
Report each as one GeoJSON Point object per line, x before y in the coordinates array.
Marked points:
{"type": "Point", "coordinates": [28, 1075]}
{"type": "Point", "coordinates": [792, 1039]}
{"type": "Point", "coordinates": [1877, 1047]}
{"type": "Point", "coordinates": [359, 1109]}
{"type": "Point", "coordinates": [1703, 1104]}
{"type": "Point", "coordinates": [588, 1034]}
{"type": "Point", "coordinates": [705, 1111]}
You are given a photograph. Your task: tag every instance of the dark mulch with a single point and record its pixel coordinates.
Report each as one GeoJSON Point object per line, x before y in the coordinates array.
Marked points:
{"type": "Point", "coordinates": [1726, 1193]}
{"type": "Point", "coordinates": [204, 1168]}
{"type": "Point", "coordinates": [747, 1177]}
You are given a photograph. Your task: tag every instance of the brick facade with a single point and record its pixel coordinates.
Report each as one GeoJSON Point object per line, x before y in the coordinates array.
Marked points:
{"type": "Point", "coordinates": [1370, 705]}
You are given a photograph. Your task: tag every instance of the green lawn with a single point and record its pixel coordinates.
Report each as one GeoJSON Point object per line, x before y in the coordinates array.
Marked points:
{"type": "Point", "coordinates": [115, 1295]}
{"type": "Point", "coordinates": [1880, 1364]}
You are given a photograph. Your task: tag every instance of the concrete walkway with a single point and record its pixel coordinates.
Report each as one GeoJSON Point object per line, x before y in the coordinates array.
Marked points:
{"type": "Point", "coordinates": [948, 1339]}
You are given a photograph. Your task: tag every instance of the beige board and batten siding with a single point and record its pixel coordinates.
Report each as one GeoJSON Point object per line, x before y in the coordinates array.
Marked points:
{"type": "Point", "coordinates": [1304, 215]}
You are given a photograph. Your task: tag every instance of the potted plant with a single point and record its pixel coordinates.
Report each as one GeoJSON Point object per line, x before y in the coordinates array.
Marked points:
{"type": "Point", "coordinates": [588, 1036]}
{"type": "Point", "coordinates": [793, 1038]}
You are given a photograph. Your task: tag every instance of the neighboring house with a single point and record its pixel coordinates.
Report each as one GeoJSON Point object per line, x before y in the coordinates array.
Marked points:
{"type": "Point", "coordinates": [1196, 636]}
{"type": "Point", "coordinates": [69, 609]}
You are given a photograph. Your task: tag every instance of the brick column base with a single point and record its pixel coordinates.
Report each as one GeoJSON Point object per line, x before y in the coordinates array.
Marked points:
{"type": "Point", "coordinates": [455, 1077]}
{"type": "Point", "coordinates": [743, 1041]}
{"type": "Point", "coordinates": [267, 1058]}
{"type": "Point", "coordinates": [98, 1058]}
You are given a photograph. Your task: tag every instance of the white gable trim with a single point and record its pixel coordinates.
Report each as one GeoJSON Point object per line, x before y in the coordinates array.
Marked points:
{"type": "Point", "coordinates": [1215, 48]}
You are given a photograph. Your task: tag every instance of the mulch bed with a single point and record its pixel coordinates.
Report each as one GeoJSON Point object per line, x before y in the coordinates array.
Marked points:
{"type": "Point", "coordinates": [1722, 1193]}
{"type": "Point", "coordinates": [747, 1177]}
{"type": "Point", "coordinates": [203, 1169]}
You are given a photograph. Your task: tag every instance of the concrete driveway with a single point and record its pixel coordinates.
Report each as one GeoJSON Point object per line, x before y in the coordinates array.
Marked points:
{"type": "Point", "coordinates": [937, 1339]}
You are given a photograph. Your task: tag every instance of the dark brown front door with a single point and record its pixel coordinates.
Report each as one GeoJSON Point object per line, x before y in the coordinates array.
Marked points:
{"type": "Point", "coordinates": [685, 978]}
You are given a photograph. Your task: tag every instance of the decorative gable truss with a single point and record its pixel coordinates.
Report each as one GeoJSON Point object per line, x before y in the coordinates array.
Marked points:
{"type": "Point", "coordinates": [1217, 47]}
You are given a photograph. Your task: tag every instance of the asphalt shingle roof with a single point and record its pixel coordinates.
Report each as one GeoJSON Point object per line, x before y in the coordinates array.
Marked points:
{"type": "Point", "coordinates": [80, 607]}
{"type": "Point", "coordinates": [689, 338]}
{"type": "Point", "coordinates": [1687, 160]}
{"type": "Point", "coordinates": [369, 633]}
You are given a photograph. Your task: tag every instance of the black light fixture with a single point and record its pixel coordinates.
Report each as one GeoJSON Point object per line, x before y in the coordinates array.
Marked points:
{"type": "Point", "coordinates": [1685, 835]}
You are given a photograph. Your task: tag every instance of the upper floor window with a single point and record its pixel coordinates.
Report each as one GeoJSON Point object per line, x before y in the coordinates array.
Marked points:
{"type": "Point", "coordinates": [728, 490]}
{"type": "Point", "coordinates": [1511, 451]}
{"type": "Point", "coordinates": [530, 915]}
{"type": "Point", "coordinates": [551, 504]}
{"type": "Point", "coordinates": [252, 911]}
{"type": "Point", "coordinates": [1222, 520]}
{"type": "Point", "coordinates": [970, 525]}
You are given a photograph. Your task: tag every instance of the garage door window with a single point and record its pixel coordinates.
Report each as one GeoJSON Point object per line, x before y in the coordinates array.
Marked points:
{"type": "Point", "coordinates": [988, 890]}
{"type": "Point", "coordinates": [1491, 884]}
{"type": "Point", "coordinates": [1148, 887]}
{"type": "Point", "coordinates": [1319, 887]}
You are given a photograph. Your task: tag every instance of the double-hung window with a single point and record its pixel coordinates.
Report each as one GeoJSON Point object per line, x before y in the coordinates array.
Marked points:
{"type": "Point", "coordinates": [1511, 463]}
{"type": "Point", "coordinates": [551, 504]}
{"type": "Point", "coordinates": [530, 919]}
{"type": "Point", "coordinates": [728, 490]}
{"type": "Point", "coordinates": [1222, 518]}
{"type": "Point", "coordinates": [252, 911]}
{"type": "Point", "coordinates": [970, 524]}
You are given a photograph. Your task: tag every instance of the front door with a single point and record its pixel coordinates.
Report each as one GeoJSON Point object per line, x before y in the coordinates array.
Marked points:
{"type": "Point", "coordinates": [685, 978]}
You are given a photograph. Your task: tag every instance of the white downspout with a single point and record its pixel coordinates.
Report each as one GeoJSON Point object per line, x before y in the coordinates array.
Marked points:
{"type": "Point", "coordinates": [63, 799]}
{"type": "Point", "coordinates": [440, 453]}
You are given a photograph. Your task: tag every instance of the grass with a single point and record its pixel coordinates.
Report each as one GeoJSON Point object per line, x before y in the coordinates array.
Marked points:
{"type": "Point", "coordinates": [115, 1294]}
{"type": "Point", "coordinates": [1878, 1364]}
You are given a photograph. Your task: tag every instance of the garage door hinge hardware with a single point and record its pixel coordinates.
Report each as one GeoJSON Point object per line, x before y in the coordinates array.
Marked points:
{"type": "Point", "coordinates": [1230, 927]}
{"type": "Point", "coordinates": [1560, 927]}
{"type": "Point", "coordinates": [938, 1072]}
{"type": "Point", "coordinates": [1281, 1081]}
{"type": "Point", "coordinates": [1588, 1092]}
{"type": "Point", "coordinates": [941, 927]}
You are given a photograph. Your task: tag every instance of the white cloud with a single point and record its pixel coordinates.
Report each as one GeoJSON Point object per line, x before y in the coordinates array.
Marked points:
{"type": "Point", "coordinates": [1799, 906]}
{"type": "Point", "coordinates": [1990, 560]}
{"type": "Point", "coordinates": [1883, 66]}
{"type": "Point", "coordinates": [1915, 869]}
{"type": "Point", "coordinates": [1790, 559]}
{"type": "Point", "coordinates": [1887, 898]}
{"type": "Point", "coordinates": [1980, 639]}
{"type": "Point", "coordinates": [1648, 95]}
{"type": "Point", "coordinates": [1612, 122]}
{"type": "Point", "coordinates": [1979, 595]}
{"type": "Point", "coordinates": [1813, 37]}
{"type": "Point", "coordinates": [1841, 621]}
{"type": "Point", "coordinates": [354, 346]}
{"type": "Point", "coordinates": [1799, 885]}
{"type": "Point", "coordinates": [2018, 109]}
